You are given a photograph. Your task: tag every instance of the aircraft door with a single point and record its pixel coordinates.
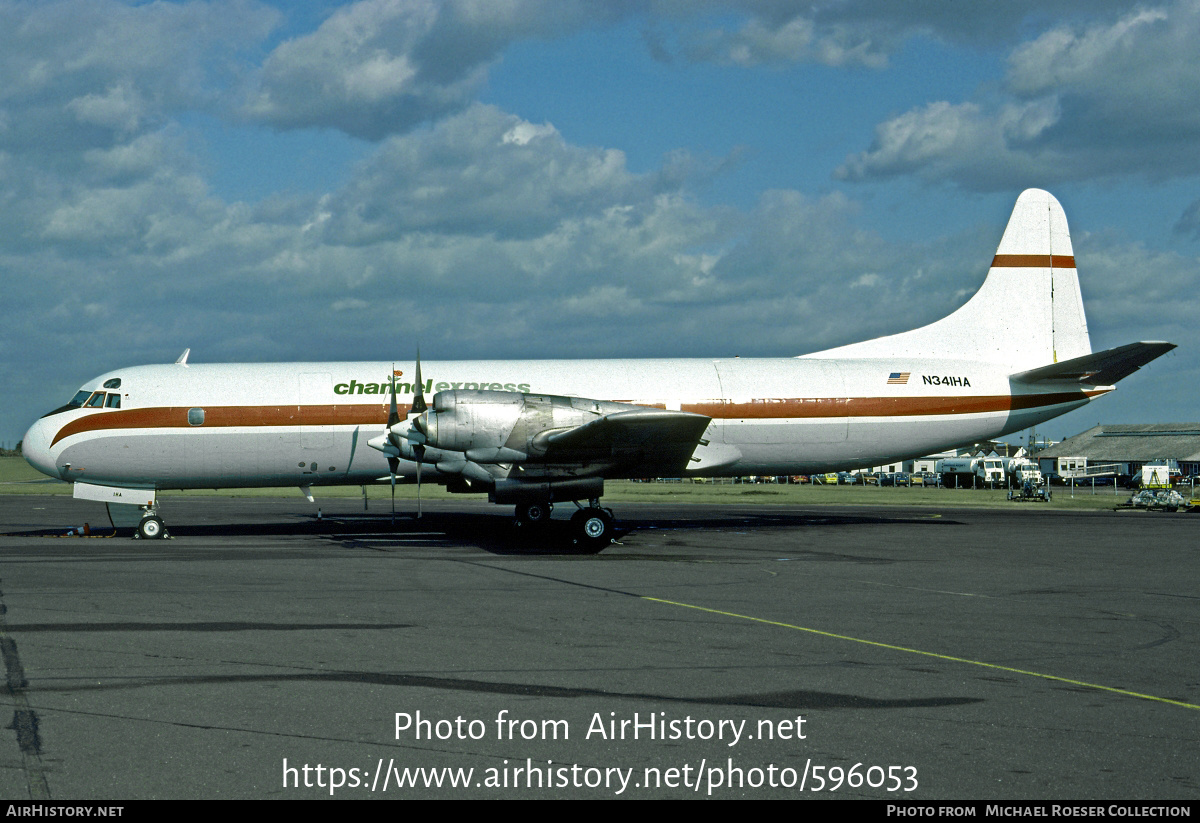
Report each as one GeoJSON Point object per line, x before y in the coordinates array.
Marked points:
{"type": "Point", "coordinates": [316, 389]}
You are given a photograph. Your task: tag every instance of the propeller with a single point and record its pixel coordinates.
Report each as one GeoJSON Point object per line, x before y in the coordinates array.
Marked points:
{"type": "Point", "coordinates": [415, 435]}
{"type": "Point", "coordinates": [419, 407]}
{"type": "Point", "coordinates": [394, 462]}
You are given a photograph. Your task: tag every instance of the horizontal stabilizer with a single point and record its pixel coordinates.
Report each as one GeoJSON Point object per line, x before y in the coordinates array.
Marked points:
{"type": "Point", "coordinates": [1102, 368]}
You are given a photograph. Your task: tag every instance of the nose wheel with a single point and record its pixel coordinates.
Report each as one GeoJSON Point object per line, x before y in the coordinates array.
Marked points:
{"type": "Point", "coordinates": [151, 528]}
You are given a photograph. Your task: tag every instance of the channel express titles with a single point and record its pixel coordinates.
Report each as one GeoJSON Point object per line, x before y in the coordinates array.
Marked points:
{"type": "Point", "coordinates": [354, 387]}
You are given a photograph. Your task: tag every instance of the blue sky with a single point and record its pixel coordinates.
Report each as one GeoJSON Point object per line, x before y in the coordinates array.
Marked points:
{"type": "Point", "coordinates": [262, 181]}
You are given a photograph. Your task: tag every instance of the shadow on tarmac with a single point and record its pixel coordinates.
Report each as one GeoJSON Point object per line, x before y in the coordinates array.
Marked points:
{"type": "Point", "coordinates": [495, 533]}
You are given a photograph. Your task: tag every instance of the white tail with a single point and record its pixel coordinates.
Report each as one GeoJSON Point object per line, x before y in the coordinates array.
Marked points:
{"type": "Point", "coordinates": [1027, 313]}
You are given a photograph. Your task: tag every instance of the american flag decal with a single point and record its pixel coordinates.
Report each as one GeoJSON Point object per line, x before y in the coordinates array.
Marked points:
{"type": "Point", "coordinates": [898, 378]}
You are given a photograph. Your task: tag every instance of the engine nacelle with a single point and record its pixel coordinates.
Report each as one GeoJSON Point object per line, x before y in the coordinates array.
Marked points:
{"type": "Point", "coordinates": [467, 420]}
{"type": "Point", "coordinates": [502, 427]}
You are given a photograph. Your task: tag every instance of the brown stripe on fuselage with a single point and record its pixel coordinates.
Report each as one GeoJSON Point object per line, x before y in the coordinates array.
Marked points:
{"type": "Point", "coordinates": [809, 408]}
{"type": "Point", "coordinates": [227, 416]}
{"type": "Point", "coordinates": [766, 409]}
{"type": "Point", "coordinates": [1034, 261]}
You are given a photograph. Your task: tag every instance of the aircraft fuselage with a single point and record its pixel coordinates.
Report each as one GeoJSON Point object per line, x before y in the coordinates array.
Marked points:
{"type": "Point", "coordinates": [245, 425]}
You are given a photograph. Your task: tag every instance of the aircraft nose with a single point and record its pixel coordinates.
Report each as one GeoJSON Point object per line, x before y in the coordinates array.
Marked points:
{"type": "Point", "coordinates": [36, 447]}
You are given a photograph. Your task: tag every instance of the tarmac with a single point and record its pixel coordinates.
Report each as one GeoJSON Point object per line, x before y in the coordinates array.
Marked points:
{"type": "Point", "coordinates": [724, 651]}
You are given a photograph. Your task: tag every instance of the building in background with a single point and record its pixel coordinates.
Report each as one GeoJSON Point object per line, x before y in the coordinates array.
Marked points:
{"type": "Point", "coordinates": [1128, 447]}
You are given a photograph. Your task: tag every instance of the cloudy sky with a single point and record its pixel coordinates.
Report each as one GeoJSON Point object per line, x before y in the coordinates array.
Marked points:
{"type": "Point", "coordinates": [564, 178]}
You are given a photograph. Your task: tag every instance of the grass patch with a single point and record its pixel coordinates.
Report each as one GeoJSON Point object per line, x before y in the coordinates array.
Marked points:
{"type": "Point", "coordinates": [18, 477]}
{"type": "Point", "coordinates": [714, 493]}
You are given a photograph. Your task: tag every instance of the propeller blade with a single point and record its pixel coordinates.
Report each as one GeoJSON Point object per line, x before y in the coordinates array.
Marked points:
{"type": "Point", "coordinates": [419, 406]}
{"type": "Point", "coordinates": [417, 431]}
{"type": "Point", "coordinates": [394, 414]}
{"type": "Point", "coordinates": [393, 467]}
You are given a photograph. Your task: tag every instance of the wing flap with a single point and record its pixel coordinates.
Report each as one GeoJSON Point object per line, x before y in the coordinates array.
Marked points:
{"type": "Point", "coordinates": [1099, 368]}
{"type": "Point", "coordinates": [657, 441]}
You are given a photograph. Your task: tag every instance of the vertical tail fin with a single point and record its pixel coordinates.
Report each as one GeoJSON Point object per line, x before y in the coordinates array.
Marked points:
{"type": "Point", "coordinates": [1027, 313]}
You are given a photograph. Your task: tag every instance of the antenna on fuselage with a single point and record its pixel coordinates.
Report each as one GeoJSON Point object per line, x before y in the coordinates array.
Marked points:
{"type": "Point", "coordinates": [182, 361]}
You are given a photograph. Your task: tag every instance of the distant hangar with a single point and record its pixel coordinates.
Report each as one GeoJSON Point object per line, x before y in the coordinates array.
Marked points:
{"type": "Point", "coordinates": [1131, 446]}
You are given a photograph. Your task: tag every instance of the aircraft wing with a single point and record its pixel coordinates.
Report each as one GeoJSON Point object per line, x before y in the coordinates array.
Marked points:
{"type": "Point", "coordinates": [1102, 368]}
{"type": "Point", "coordinates": [658, 441]}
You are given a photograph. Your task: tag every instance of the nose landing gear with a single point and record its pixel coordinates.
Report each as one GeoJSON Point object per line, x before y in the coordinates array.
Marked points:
{"type": "Point", "coordinates": [151, 526]}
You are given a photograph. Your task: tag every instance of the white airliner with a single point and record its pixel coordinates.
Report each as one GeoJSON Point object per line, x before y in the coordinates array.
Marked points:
{"type": "Point", "coordinates": [535, 433]}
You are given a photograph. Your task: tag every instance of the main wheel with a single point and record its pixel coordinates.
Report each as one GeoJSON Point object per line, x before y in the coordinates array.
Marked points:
{"type": "Point", "coordinates": [593, 528]}
{"type": "Point", "coordinates": [533, 514]}
{"type": "Point", "coordinates": [151, 528]}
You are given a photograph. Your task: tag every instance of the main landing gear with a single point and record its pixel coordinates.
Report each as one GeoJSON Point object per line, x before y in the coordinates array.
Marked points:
{"type": "Point", "coordinates": [535, 513]}
{"type": "Point", "coordinates": [591, 526]}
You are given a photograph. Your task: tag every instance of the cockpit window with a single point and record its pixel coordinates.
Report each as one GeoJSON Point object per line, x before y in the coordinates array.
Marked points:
{"type": "Point", "coordinates": [112, 383]}
{"type": "Point", "coordinates": [90, 399]}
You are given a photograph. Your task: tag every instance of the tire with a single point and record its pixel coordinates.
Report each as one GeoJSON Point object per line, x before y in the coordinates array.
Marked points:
{"type": "Point", "coordinates": [151, 528]}
{"type": "Point", "coordinates": [534, 514]}
{"type": "Point", "coordinates": [593, 529]}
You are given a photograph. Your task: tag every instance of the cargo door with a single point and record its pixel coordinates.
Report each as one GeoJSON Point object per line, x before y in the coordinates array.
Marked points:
{"type": "Point", "coordinates": [315, 411]}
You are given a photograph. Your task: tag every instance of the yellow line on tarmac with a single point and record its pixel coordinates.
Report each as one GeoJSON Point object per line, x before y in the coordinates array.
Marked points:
{"type": "Point", "coordinates": [951, 658]}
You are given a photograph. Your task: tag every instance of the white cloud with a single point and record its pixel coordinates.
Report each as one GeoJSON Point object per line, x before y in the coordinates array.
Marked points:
{"type": "Point", "coordinates": [382, 67]}
{"type": "Point", "coordinates": [113, 65]}
{"type": "Point", "coordinates": [797, 39]}
{"type": "Point", "coordinates": [479, 172]}
{"type": "Point", "coordinates": [356, 73]}
{"type": "Point", "coordinates": [1133, 292]}
{"type": "Point", "coordinates": [844, 33]}
{"type": "Point", "coordinates": [1083, 101]}
{"type": "Point", "coordinates": [120, 109]}
{"type": "Point", "coordinates": [962, 142]}
{"type": "Point", "coordinates": [1068, 57]}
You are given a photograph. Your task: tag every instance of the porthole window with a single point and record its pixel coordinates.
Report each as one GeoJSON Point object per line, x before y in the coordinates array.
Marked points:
{"type": "Point", "coordinates": [195, 417]}
{"type": "Point", "coordinates": [112, 383]}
